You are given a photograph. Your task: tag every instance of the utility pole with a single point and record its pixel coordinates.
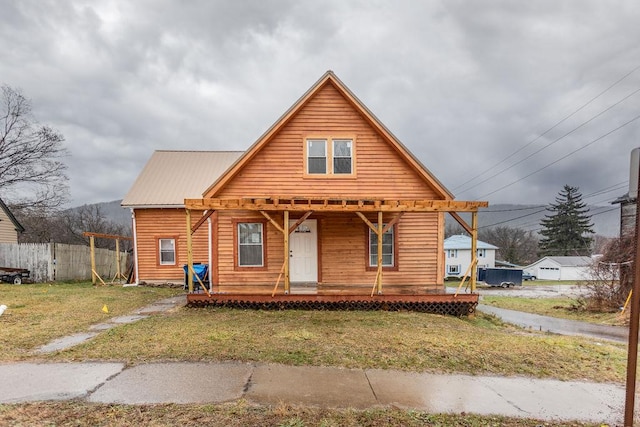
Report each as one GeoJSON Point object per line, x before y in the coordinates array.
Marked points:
{"type": "Point", "coordinates": [632, 350]}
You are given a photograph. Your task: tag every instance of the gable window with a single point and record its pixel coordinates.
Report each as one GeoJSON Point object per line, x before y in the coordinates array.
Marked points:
{"type": "Point", "coordinates": [388, 248]}
{"type": "Point", "coordinates": [316, 156]}
{"type": "Point", "coordinates": [329, 157]}
{"type": "Point", "coordinates": [482, 253]}
{"type": "Point", "coordinates": [452, 253]}
{"type": "Point", "coordinates": [342, 156]}
{"type": "Point", "coordinates": [167, 251]}
{"type": "Point", "coordinates": [250, 244]}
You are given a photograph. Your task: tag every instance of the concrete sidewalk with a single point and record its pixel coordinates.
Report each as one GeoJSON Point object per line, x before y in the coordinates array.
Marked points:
{"type": "Point", "coordinates": [270, 384]}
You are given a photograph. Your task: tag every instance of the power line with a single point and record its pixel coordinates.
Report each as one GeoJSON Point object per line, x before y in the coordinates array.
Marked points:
{"type": "Point", "coordinates": [514, 209]}
{"type": "Point", "coordinates": [563, 157]}
{"type": "Point", "coordinates": [551, 128]}
{"type": "Point", "coordinates": [552, 142]}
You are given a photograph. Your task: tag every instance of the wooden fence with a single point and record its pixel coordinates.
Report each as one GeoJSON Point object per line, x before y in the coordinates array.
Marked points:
{"type": "Point", "coordinates": [58, 262]}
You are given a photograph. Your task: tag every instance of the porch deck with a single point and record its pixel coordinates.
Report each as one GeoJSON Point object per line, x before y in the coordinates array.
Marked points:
{"type": "Point", "coordinates": [440, 303]}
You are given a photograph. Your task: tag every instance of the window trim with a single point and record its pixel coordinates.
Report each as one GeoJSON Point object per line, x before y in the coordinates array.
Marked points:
{"type": "Point", "coordinates": [481, 253]}
{"type": "Point", "coordinates": [452, 253]}
{"type": "Point", "coordinates": [236, 247]}
{"type": "Point", "coordinates": [368, 266]}
{"type": "Point", "coordinates": [329, 140]}
{"type": "Point", "coordinates": [159, 262]}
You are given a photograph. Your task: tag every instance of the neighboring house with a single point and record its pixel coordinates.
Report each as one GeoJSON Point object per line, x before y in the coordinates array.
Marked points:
{"type": "Point", "coordinates": [327, 198]}
{"type": "Point", "coordinates": [9, 225]}
{"type": "Point", "coordinates": [458, 255]}
{"type": "Point", "coordinates": [561, 268]}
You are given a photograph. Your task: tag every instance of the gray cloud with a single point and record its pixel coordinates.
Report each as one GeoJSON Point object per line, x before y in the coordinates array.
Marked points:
{"type": "Point", "coordinates": [463, 84]}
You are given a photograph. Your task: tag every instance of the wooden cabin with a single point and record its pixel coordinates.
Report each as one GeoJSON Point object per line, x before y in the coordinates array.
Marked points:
{"type": "Point", "coordinates": [326, 206]}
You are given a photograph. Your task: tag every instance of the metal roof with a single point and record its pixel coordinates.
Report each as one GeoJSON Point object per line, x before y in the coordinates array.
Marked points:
{"type": "Point", "coordinates": [570, 261]}
{"type": "Point", "coordinates": [169, 177]}
{"type": "Point", "coordinates": [460, 241]}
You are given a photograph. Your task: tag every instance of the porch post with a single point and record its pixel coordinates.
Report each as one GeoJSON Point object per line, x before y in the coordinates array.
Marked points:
{"type": "Point", "coordinates": [379, 233]}
{"type": "Point", "coordinates": [285, 233]}
{"type": "Point", "coordinates": [92, 249]}
{"type": "Point", "coordinates": [474, 250]}
{"type": "Point", "coordinates": [189, 252]}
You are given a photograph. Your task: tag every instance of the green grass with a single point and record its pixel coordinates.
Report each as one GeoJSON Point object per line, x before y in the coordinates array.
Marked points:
{"type": "Point", "coordinates": [384, 340]}
{"type": "Point", "coordinates": [355, 339]}
{"type": "Point", "coordinates": [38, 313]}
{"type": "Point", "coordinates": [562, 307]}
{"type": "Point", "coordinates": [240, 414]}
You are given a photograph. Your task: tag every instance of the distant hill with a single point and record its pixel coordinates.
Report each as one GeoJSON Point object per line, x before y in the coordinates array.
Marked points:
{"type": "Point", "coordinates": [606, 219]}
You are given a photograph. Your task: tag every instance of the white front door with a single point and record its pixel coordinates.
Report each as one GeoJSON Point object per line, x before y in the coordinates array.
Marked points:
{"type": "Point", "coordinates": [303, 252]}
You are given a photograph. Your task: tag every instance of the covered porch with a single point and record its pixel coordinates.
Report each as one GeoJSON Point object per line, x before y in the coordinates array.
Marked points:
{"type": "Point", "coordinates": [286, 213]}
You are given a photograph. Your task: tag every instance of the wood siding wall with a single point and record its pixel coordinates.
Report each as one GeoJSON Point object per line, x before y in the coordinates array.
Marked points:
{"type": "Point", "coordinates": [278, 169]}
{"type": "Point", "coordinates": [8, 233]}
{"type": "Point", "coordinates": [152, 224]}
{"type": "Point", "coordinates": [343, 255]}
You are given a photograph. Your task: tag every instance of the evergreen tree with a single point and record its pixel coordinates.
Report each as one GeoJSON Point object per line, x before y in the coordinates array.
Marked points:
{"type": "Point", "coordinates": [566, 230]}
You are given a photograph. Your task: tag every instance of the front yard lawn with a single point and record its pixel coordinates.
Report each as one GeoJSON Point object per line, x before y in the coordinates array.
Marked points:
{"type": "Point", "coordinates": [39, 313]}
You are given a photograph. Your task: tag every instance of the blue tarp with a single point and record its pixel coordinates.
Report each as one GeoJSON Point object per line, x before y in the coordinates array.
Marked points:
{"type": "Point", "coordinates": [200, 269]}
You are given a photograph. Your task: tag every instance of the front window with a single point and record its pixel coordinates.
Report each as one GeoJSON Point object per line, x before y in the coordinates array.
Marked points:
{"type": "Point", "coordinates": [387, 248]}
{"type": "Point", "coordinates": [452, 253]}
{"type": "Point", "coordinates": [453, 269]}
{"type": "Point", "coordinates": [167, 249]}
{"type": "Point", "coordinates": [482, 253]}
{"type": "Point", "coordinates": [316, 156]}
{"type": "Point", "coordinates": [250, 244]}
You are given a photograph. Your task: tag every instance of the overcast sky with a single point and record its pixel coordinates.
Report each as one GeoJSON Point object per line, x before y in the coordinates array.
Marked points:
{"type": "Point", "coordinates": [463, 84]}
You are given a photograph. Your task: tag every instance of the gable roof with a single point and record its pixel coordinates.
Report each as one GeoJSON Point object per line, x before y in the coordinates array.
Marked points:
{"type": "Point", "coordinates": [330, 78]}
{"type": "Point", "coordinates": [460, 241]}
{"type": "Point", "coordinates": [19, 228]}
{"type": "Point", "coordinates": [171, 176]}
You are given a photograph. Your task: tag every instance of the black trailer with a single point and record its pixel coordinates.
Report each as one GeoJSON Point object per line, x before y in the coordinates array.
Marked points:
{"type": "Point", "coordinates": [14, 275]}
{"type": "Point", "coordinates": [504, 277]}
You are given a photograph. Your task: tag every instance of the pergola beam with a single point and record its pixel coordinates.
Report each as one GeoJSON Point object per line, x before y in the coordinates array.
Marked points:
{"type": "Point", "coordinates": [320, 204]}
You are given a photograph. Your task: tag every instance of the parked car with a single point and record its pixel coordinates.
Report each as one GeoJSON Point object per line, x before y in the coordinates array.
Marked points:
{"type": "Point", "coordinates": [528, 276]}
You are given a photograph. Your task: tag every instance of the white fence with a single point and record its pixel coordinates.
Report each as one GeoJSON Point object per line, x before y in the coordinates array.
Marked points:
{"type": "Point", "coordinates": [56, 261]}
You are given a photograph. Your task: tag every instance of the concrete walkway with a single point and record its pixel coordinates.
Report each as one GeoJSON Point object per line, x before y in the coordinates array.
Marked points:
{"type": "Point", "coordinates": [558, 326]}
{"type": "Point", "coordinates": [269, 384]}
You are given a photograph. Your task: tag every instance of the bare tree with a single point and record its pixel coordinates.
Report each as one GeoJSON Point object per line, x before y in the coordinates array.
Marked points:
{"type": "Point", "coordinates": [515, 245]}
{"type": "Point", "coordinates": [611, 277]}
{"type": "Point", "coordinates": [32, 171]}
{"type": "Point", "coordinates": [68, 227]}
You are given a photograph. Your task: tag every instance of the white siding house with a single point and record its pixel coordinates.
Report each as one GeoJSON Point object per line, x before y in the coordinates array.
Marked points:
{"type": "Point", "coordinates": [457, 255]}
{"type": "Point", "coordinates": [561, 268]}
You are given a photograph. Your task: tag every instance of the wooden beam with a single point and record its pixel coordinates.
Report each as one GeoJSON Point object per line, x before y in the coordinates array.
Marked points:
{"type": "Point", "coordinates": [461, 221]}
{"type": "Point", "coordinates": [380, 227]}
{"type": "Point", "coordinates": [366, 221]}
{"type": "Point", "coordinates": [300, 221]}
{"type": "Point", "coordinates": [105, 236]}
{"type": "Point", "coordinates": [189, 252]}
{"type": "Point", "coordinates": [392, 222]}
{"type": "Point", "coordinates": [320, 204]}
{"type": "Point", "coordinates": [273, 222]}
{"type": "Point", "coordinates": [201, 221]}
{"type": "Point", "coordinates": [92, 250]}
{"type": "Point", "coordinates": [474, 250]}
{"type": "Point", "coordinates": [287, 281]}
